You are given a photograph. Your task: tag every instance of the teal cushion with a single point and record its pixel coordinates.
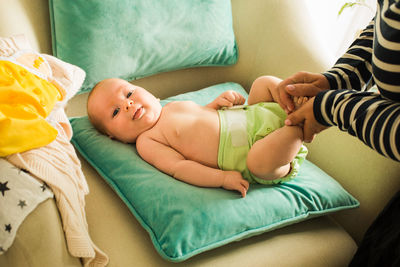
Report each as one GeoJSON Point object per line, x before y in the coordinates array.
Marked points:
{"type": "Point", "coordinates": [184, 220]}
{"type": "Point", "coordinates": [131, 39]}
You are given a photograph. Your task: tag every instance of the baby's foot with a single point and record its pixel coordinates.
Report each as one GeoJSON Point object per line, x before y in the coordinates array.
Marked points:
{"type": "Point", "coordinates": [299, 101]}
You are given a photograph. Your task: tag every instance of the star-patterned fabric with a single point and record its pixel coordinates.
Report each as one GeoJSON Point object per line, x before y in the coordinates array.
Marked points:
{"type": "Point", "coordinates": [20, 194]}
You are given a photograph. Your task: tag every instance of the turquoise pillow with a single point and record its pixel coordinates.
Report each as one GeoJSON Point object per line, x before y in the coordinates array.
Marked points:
{"type": "Point", "coordinates": [185, 220]}
{"type": "Point", "coordinates": [131, 39]}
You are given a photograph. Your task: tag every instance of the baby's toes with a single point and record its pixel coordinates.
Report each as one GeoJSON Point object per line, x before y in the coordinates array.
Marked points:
{"type": "Point", "coordinates": [297, 102]}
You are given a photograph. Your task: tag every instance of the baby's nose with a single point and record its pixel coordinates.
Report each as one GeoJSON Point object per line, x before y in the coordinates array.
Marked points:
{"type": "Point", "coordinates": [128, 104]}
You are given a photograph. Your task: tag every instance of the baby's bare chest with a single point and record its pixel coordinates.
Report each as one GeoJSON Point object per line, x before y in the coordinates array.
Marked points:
{"type": "Point", "coordinates": [189, 124]}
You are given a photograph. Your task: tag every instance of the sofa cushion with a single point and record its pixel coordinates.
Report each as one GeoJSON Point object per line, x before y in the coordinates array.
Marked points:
{"type": "Point", "coordinates": [185, 220]}
{"type": "Point", "coordinates": [132, 39]}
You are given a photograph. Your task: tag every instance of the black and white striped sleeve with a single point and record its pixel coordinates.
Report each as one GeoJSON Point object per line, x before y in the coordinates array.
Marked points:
{"type": "Point", "coordinates": [353, 70]}
{"type": "Point", "coordinates": [374, 58]}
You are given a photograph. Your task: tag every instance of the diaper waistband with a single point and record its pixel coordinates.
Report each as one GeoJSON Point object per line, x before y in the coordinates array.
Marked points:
{"type": "Point", "coordinates": [235, 121]}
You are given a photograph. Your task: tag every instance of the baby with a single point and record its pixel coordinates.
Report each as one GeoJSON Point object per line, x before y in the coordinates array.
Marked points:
{"type": "Point", "coordinates": [222, 144]}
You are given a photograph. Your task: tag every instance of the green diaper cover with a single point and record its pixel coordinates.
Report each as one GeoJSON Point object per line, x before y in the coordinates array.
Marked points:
{"type": "Point", "coordinates": [240, 127]}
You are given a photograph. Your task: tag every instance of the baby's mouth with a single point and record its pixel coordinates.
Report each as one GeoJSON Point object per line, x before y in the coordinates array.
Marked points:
{"type": "Point", "coordinates": [138, 113]}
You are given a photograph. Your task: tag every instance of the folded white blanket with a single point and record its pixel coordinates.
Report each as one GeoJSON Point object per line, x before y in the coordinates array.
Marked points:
{"type": "Point", "coordinates": [20, 194]}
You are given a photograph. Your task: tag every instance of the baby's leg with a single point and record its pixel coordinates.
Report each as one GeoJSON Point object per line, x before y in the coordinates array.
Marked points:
{"type": "Point", "coordinates": [269, 158]}
{"type": "Point", "coordinates": [263, 89]}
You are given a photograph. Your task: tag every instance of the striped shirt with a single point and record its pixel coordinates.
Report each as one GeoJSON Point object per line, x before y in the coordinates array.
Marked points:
{"type": "Point", "coordinates": [372, 59]}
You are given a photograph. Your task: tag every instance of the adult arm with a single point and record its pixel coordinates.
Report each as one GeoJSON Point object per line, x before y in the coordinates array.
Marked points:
{"type": "Point", "coordinates": [352, 70]}
{"type": "Point", "coordinates": [372, 117]}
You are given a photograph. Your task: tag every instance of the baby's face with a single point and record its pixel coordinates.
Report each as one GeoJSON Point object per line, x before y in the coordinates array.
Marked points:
{"type": "Point", "coordinates": [124, 110]}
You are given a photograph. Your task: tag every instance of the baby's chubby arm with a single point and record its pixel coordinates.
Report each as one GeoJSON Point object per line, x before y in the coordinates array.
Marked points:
{"type": "Point", "coordinates": [171, 162]}
{"type": "Point", "coordinates": [227, 99]}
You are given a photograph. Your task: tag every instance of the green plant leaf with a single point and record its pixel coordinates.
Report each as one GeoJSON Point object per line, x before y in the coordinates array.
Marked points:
{"type": "Point", "coordinates": [347, 5]}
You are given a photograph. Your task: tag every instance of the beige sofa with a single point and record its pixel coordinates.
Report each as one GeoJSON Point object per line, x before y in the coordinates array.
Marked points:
{"type": "Point", "coordinates": [275, 38]}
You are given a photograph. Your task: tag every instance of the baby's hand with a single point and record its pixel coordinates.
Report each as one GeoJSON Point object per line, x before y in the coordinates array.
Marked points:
{"type": "Point", "coordinates": [233, 180]}
{"type": "Point", "coordinates": [231, 98]}
{"type": "Point", "coordinates": [299, 101]}
{"type": "Point", "coordinates": [227, 99]}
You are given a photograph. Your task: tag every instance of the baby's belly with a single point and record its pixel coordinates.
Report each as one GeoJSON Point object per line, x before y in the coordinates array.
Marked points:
{"type": "Point", "coordinates": [200, 143]}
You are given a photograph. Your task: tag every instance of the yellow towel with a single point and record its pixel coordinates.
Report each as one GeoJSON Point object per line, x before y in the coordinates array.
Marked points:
{"type": "Point", "coordinates": [25, 101]}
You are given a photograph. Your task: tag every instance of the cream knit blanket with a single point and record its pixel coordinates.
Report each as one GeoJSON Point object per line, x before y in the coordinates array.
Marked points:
{"type": "Point", "coordinates": [58, 166]}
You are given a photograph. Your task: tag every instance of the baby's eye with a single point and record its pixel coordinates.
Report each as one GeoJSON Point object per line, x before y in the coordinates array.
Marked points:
{"type": "Point", "coordinates": [129, 94]}
{"type": "Point", "coordinates": [115, 112]}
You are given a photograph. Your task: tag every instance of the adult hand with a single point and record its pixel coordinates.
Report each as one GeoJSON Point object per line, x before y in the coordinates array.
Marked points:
{"type": "Point", "coordinates": [300, 84]}
{"type": "Point", "coordinates": [304, 117]}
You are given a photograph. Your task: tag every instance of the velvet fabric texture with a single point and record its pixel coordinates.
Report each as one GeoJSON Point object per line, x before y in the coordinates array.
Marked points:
{"type": "Point", "coordinates": [185, 220]}
{"type": "Point", "coordinates": [131, 39]}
